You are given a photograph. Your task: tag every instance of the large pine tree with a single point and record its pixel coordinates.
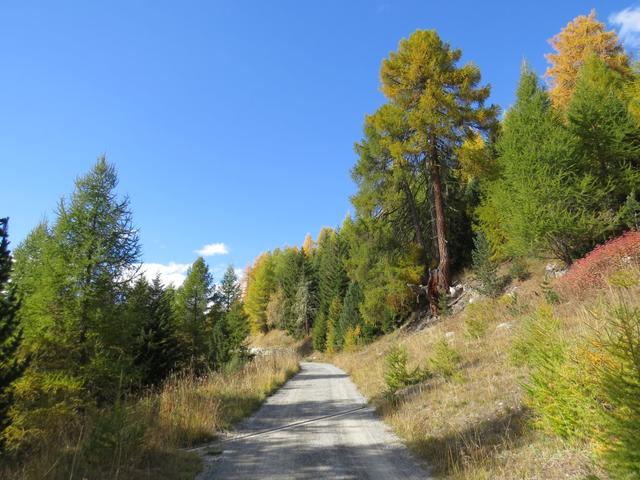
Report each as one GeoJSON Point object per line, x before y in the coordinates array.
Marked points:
{"type": "Point", "coordinates": [440, 105]}
{"type": "Point", "coordinates": [73, 277]}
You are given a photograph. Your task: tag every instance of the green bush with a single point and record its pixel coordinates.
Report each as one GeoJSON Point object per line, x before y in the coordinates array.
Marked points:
{"type": "Point", "coordinates": [532, 336]}
{"type": "Point", "coordinates": [445, 360]}
{"type": "Point", "coordinates": [485, 268]}
{"type": "Point", "coordinates": [475, 327]}
{"type": "Point", "coordinates": [396, 374]}
{"type": "Point", "coordinates": [549, 294]}
{"type": "Point", "coordinates": [620, 383]}
{"type": "Point", "coordinates": [560, 389]}
{"type": "Point", "coordinates": [444, 310]}
{"type": "Point", "coordinates": [519, 270]}
{"type": "Point", "coordinates": [587, 389]}
{"type": "Point", "coordinates": [114, 431]}
{"type": "Point", "coordinates": [478, 315]}
{"type": "Point", "coordinates": [514, 306]}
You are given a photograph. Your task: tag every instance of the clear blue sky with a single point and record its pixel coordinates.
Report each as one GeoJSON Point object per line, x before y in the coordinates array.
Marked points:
{"type": "Point", "coordinates": [228, 121]}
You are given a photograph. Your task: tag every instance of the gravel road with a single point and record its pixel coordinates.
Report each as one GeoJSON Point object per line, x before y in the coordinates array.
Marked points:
{"type": "Point", "coordinates": [316, 426]}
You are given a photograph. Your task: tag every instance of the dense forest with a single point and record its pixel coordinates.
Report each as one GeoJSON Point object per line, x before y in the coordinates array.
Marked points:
{"type": "Point", "coordinates": [81, 326]}
{"type": "Point", "coordinates": [441, 177]}
{"type": "Point", "coordinates": [444, 183]}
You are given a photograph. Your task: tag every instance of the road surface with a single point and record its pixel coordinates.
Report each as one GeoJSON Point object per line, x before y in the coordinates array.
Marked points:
{"type": "Point", "coordinates": [316, 426]}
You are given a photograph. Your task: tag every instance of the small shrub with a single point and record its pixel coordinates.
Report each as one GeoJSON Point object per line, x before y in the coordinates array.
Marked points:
{"type": "Point", "coordinates": [519, 269]}
{"type": "Point", "coordinates": [114, 430]}
{"type": "Point", "coordinates": [475, 327]}
{"type": "Point", "coordinates": [593, 270]}
{"type": "Point", "coordinates": [513, 305]}
{"type": "Point", "coordinates": [445, 360]}
{"type": "Point", "coordinates": [444, 310]}
{"type": "Point", "coordinates": [478, 315]}
{"type": "Point", "coordinates": [549, 294]}
{"type": "Point", "coordinates": [620, 380]}
{"type": "Point", "coordinates": [351, 338]}
{"type": "Point", "coordinates": [625, 278]}
{"type": "Point", "coordinates": [532, 335]}
{"type": "Point", "coordinates": [396, 374]}
{"type": "Point", "coordinates": [485, 268]}
{"type": "Point", "coordinates": [559, 390]}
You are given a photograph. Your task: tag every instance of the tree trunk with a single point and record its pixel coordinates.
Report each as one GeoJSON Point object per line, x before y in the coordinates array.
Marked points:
{"type": "Point", "coordinates": [441, 223]}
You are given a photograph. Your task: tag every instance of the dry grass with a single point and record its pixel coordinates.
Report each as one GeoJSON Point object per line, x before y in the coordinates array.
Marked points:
{"type": "Point", "coordinates": [143, 438]}
{"type": "Point", "coordinates": [473, 426]}
{"type": "Point", "coordinates": [191, 410]}
{"type": "Point", "coordinates": [279, 340]}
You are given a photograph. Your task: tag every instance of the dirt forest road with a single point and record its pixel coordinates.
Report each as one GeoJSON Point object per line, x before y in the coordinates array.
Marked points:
{"type": "Point", "coordinates": [316, 426]}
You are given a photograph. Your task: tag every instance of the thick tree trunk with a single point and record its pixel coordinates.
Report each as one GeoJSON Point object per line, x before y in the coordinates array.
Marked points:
{"type": "Point", "coordinates": [441, 223]}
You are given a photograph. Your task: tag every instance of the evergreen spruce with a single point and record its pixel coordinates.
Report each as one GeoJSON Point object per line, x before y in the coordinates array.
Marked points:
{"type": "Point", "coordinates": [192, 301]}
{"type": "Point", "coordinates": [11, 367]}
{"type": "Point", "coordinates": [349, 315]}
{"type": "Point", "coordinates": [230, 290]}
{"type": "Point", "coordinates": [157, 351]}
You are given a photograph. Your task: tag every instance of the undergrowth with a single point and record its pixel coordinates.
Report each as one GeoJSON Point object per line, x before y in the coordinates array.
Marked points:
{"type": "Point", "coordinates": [142, 438]}
{"type": "Point", "coordinates": [544, 386]}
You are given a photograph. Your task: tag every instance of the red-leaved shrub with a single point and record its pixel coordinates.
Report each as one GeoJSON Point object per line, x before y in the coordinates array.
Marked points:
{"type": "Point", "coordinates": [593, 269]}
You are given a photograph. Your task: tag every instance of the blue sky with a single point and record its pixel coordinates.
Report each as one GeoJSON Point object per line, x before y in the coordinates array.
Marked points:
{"type": "Point", "coordinates": [230, 122]}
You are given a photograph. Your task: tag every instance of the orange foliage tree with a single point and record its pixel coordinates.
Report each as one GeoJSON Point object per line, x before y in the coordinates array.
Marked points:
{"type": "Point", "coordinates": [582, 37]}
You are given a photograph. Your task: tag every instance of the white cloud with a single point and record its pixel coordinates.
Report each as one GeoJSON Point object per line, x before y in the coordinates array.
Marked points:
{"type": "Point", "coordinates": [170, 274]}
{"type": "Point", "coordinates": [628, 21]}
{"type": "Point", "coordinates": [239, 273]}
{"type": "Point", "coordinates": [213, 249]}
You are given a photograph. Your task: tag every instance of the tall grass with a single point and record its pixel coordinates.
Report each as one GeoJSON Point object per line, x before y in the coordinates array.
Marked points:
{"type": "Point", "coordinates": [142, 438]}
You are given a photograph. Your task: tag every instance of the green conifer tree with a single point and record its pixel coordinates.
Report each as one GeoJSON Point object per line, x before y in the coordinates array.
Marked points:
{"type": "Point", "coordinates": [157, 351]}
{"type": "Point", "coordinates": [484, 266]}
{"type": "Point", "coordinates": [608, 141]}
{"type": "Point", "coordinates": [230, 290]}
{"type": "Point", "coordinates": [192, 301]}
{"type": "Point", "coordinates": [540, 202]}
{"type": "Point", "coordinates": [349, 316]}
{"type": "Point", "coordinates": [11, 366]}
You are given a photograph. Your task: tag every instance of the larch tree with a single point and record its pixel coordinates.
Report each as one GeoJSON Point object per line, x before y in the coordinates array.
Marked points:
{"type": "Point", "coordinates": [93, 255]}
{"type": "Point", "coordinates": [260, 286]}
{"type": "Point", "coordinates": [308, 245]}
{"type": "Point", "coordinates": [349, 315]}
{"type": "Point", "coordinates": [608, 140]}
{"type": "Point", "coordinates": [541, 202]}
{"type": "Point", "coordinates": [582, 37]}
{"type": "Point", "coordinates": [442, 104]}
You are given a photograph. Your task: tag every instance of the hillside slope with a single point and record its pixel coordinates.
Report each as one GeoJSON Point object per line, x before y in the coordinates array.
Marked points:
{"type": "Point", "coordinates": [469, 417]}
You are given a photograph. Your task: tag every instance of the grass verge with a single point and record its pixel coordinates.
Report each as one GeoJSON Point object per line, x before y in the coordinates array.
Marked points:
{"type": "Point", "coordinates": [476, 422]}
{"type": "Point", "coordinates": [143, 438]}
